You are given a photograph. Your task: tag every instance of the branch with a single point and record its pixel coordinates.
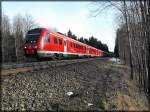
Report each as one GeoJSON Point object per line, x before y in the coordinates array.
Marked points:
{"type": "Point", "coordinates": [108, 6]}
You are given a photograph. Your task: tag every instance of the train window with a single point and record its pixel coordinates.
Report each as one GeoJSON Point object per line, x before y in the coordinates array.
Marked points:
{"type": "Point", "coordinates": [70, 44]}
{"type": "Point", "coordinates": [60, 41]}
{"type": "Point", "coordinates": [79, 46]}
{"type": "Point", "coordinates": [64, 42]}
{"type": "Point", "coordinates": [74, 45]}
{"type": "Point", "coordinates": [55, 41]}
{"type": "Point", "coordinates": [47, 38]}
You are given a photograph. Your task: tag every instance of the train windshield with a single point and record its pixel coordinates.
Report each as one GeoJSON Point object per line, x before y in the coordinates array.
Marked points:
{"type": "Point", "coordinates": [32, 38]}
{"type": "Point", "coordinates": [33, 35]}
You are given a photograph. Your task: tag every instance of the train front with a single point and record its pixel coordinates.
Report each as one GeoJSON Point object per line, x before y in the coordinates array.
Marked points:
{"type": "Point", "coordinates": [31, 40]}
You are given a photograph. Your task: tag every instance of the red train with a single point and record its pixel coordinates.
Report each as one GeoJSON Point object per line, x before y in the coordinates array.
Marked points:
{"type": "Point", "coordinates": [45, 44]}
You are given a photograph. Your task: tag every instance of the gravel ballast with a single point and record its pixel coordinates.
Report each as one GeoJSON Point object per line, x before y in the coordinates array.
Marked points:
{"type": "Point", "coordinates": [96, 85]}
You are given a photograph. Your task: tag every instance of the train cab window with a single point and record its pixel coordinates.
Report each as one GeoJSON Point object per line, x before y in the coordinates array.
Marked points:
{"type": "Point", "coordinates": [47, 38]}
{"type": "Point", "coordinates": [55, 41]}
{"type": "Point", "coordinates": [60, 41]}
{"type": "Point", "coordinates": [33, 35]}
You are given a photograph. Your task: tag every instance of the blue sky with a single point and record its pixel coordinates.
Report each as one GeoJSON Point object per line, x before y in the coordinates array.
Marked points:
{"type": "Point", "coordinates": [68, 15]}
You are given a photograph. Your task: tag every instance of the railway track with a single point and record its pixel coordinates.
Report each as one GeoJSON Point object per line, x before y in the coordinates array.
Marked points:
{"type": "Point", "coordinates": [14, 68]}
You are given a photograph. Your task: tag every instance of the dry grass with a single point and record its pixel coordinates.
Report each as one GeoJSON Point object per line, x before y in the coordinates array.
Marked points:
{"type": "Point", "coordinates": [125, 102]}
{"type": "Point", "coordinates": [130, 102]}
{"type": "Point", "coordinates": [14, 71]}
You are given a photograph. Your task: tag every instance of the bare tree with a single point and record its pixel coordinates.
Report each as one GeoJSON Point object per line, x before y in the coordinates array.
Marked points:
{"type": "Point", "coordinates": [29, 23]}
{"type": "Point", "coordinates": [21, 24]}
{"type": "Point", "coordinates": [5, 26]}
{"type": "Point", "coordinates": [133, 37]}
{"type": "Point", "coordinates": [18, 22]}
{"type": "Point", "coordinates": [12, 36]}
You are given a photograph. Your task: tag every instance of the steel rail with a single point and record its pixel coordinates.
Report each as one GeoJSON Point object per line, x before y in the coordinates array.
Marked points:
{"type": "Point", "coordinates": [23, 67]}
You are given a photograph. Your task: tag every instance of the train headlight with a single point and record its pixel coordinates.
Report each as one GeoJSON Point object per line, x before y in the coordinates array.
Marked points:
{"type": "Point", "coordinates": [35, 46]}
{"type": "Point", "coordinates": [25, 47]}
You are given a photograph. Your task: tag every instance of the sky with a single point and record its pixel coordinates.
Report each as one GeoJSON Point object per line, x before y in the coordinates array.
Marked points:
{"type": "Point", "coordinates": [76, 16]}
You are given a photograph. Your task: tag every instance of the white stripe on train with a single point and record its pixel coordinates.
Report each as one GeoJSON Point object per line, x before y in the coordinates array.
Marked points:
{"type": "Point", "coordinates": [62, 52]}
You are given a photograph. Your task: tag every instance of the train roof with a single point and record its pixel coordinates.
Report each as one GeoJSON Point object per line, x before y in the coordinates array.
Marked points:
{"type": "Point", "coordinates": [61, 33]}
{"type": "Point", "coordinates": [35, 30]}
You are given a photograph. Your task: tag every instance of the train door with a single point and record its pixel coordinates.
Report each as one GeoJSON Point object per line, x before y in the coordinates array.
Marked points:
{"type": "Point", "coordinates": [47, 42]}
{"type": "Point", "coordinates": [60, 45]}
{"type": "Point", "coordinates": [88, 51]}
{"type": "Point", "coordinates": [65, 46]}
{"type": "Point", "coordinates": [56, 45]}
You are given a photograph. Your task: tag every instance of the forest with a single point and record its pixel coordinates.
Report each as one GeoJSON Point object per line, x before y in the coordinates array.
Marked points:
{"type": "Point", "coordinates": [133, 39]}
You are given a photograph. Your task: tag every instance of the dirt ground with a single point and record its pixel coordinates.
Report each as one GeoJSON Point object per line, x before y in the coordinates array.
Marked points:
{"type": "Point", "coordinates": [96, 85]}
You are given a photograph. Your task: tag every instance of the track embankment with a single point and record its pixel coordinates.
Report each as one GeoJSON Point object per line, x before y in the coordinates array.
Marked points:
{"type": "Point", "coordinates": [89, 85]}
{"type": "Point", "coordinates": [15, 68]}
